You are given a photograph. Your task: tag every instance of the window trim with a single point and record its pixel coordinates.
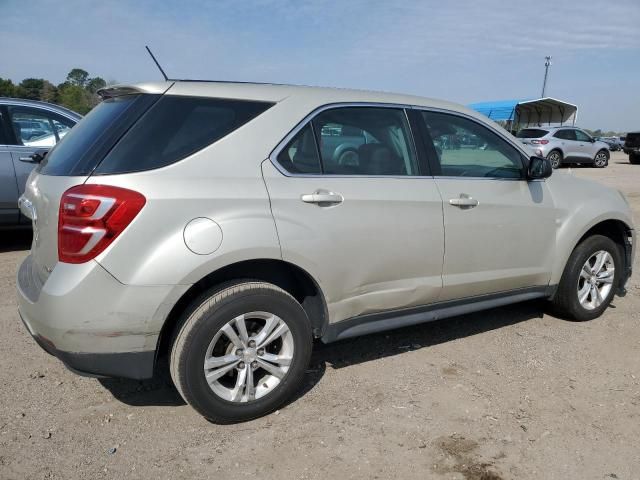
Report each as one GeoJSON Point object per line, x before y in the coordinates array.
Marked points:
{"type": "Point", "coordinates": [273, 156]}
{"type": "Point", "coordinates": [432, 155]}
{"type": "Point", "coordinates": [49, 113]}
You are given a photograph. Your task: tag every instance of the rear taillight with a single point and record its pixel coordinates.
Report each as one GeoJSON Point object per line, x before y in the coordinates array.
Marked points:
{"type": "Point", "coordinates": [91, 217]}
{"type": "Point", "coordinates": [539, 142]}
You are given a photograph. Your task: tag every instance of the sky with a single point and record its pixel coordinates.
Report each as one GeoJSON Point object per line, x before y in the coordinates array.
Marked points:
{"type": "Point", "coordinates": [463, 51]}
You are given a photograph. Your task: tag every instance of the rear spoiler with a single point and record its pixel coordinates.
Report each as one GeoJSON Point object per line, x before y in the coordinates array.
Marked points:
{"type": "Point", "coordinates": [120, 90]}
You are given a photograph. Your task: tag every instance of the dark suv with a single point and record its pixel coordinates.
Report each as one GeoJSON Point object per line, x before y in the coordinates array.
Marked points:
{"type": "Point", "coordinates": [632, 147]}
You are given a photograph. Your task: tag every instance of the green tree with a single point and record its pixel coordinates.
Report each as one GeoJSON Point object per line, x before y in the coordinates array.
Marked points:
{"type": "Point", "coordinates": [96, 83]}
{"type": "Point", "coordinates": [74, 97]}
{"type": "Point", "coordinates": [37, 89]}
{"type": "Point", "coordinates": [78, 77]}
{"type": "Point", "coordinates": [7, 88]}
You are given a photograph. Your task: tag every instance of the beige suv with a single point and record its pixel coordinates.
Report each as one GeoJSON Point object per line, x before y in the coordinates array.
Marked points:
{"type": "Point", "coordinates": [225, 226]}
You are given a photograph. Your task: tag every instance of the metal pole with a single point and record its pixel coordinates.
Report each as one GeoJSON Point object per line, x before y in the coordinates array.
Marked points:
{"type": "Point", "coordinates": [547, 63]}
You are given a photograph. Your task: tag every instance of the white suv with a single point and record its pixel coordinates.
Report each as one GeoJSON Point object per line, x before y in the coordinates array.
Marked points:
{"type": "Point", "coordinates": [563, 145]}
{"type": "Point", "coordinates": [227, 225]}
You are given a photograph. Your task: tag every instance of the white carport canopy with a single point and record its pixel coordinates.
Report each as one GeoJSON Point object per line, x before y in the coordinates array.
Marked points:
{"type": "Point", "coordinates": [545, 111]}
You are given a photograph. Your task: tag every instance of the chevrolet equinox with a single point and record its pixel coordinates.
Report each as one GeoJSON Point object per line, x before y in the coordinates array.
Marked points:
{"type": "Point", "coordinates": [225, 226]}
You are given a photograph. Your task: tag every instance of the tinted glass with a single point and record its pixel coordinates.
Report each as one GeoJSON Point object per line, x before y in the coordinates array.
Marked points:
{"type": "Point", "coordinates": [581, 136]}
{"type": "Point", "coordinates": [465, 148]}
{"type": "Point", "coordinates": [301, 154]}
{"type": "Point", "coordinates": [176, 127]}
{"type": "Point", "coordinates": [365, 141]}
{"type": "Point", "coordinates": [531, 133]}
{"type": "Point", "coordinates": [80, 150]}
{"type": "Point", "coordinates": [565, 134]}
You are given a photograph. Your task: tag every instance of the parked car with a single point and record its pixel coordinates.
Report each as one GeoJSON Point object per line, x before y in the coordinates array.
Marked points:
{"type": "Point", "coordinates": [563, 145]}
{"type": "Point", "coordinates": [611, 143]}
{"type": "Point", "coordinates": [632, 147]}
{"type": "Point", "coordinates": [207, 223]}
{"type": "Point", "coordinates": [25, 126]}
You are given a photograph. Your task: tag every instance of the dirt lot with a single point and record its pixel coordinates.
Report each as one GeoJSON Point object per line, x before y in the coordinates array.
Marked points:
{"type": "Point", "coordinates": [504, 394]}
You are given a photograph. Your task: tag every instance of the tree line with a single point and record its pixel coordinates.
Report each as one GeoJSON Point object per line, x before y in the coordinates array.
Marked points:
{"type": "Point", "coordinates": [78, 92]}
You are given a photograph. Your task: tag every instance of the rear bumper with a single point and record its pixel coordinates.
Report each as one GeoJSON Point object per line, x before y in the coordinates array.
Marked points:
{"type": "Point", "coordinates": [629, 150]}
{"type": "Point", "coordinates": [93, 323]}
{"type": "Point", "coordinates": [135, 365]}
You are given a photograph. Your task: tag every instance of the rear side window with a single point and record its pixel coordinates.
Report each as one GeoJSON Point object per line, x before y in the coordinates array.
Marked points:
{"type": "Point", "coordinates": [86, 144]}
{"type": "Point", "coordinates": [531, 133]}
{"type": "Point", "coordinates": [565, 134]}
{"type": "Point", "coordinates": [176, 127]}
{"type": "Point", "coordinates": [301, 153]}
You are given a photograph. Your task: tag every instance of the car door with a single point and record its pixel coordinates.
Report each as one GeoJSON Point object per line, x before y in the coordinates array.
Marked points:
{"type": "Point", "coordinates": [585, 146]}
{"type": "Point", "coordinates": [8, 185]}
{"type": "Point", "coordinates": [32, 129]}
{"type": "Point", "coordinates": [499, 227]}
{"type": "Point", "coordinates": [368, 227]}
{"type": "Point", "coordinates": [567, 140]}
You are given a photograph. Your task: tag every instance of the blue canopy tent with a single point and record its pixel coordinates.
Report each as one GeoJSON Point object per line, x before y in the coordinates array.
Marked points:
{"type": "Point", "coordinates": [528, 112]}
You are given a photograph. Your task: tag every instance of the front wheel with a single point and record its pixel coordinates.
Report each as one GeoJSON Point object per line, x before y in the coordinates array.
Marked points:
{"type": "Point", "coordinates": [602, 159]}
{"type": "Point", "coordinates": [589, 279]}
{"type": "Point", "coordinates": [241, 352]}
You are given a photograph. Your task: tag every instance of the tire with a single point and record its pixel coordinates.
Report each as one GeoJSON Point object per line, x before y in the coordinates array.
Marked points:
{"type": "Point", "coordinates": [634, 158]}
{"type": "Point", "coordinates": [573, 283]}
{"type": "Point", "coordinates": [601, 159]}
{"type": "Point", "coordinates": [555, 157]}
{"type": "Point", "coordinates": [220, 399]}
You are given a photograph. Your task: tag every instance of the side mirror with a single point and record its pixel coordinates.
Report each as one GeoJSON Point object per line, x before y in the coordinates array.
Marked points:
{"type": "Point", "coordinates": [539, 168]}
{"type": "Point", "coordinates": [593, 140]}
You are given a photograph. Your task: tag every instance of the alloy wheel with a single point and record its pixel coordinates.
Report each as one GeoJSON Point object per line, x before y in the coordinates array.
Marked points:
{"type": "Point", "coordinates": [596, 280]}
{"type": "Point", "coordinates": [601, 159]}
{"type": "Point", "coordinates": [554, 158]}
{"type": "Point", "coordinates": [248, 357]}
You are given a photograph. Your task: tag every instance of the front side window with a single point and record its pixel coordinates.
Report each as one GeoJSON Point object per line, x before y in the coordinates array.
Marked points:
{"type": "Point", "coordinates": [582, 137]}
{"type": "Point", "coordinates": [38, 128]}
{"type": "Point", "coordinates": [365, 141]}
{"type": "Point", "coordinates": [465, 148]}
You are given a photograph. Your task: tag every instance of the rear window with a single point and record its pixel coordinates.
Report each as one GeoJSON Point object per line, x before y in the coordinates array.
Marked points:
{"type": "Point", "coordinates": [176, 127]}
{"type": "Point", "coordinates": [531, 133]}
{"type": "Point", "coordinates": [85, 145]}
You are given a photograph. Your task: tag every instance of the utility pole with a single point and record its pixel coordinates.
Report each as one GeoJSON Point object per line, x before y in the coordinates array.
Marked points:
{"type": "Point", "coordinates": [547, 64]}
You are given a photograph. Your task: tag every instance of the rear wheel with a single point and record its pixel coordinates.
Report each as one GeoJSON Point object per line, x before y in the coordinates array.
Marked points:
{"type": "Point", "coordinates": [589, 280]}
{"type": "Point", "coordinates": [634, 158]}
{"type": "Point", "coordinates": [555, 157]}
{"type": "Point", "coordinates": [241, 352]}
{"type": "Point", "coordinates": [602, 159]}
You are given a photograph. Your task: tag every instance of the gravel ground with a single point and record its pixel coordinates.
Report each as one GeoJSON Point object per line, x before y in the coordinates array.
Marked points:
{"type": "Point", "coordinates": [503, 394]}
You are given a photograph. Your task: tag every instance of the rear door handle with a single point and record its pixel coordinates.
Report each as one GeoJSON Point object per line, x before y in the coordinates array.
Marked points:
{"type": "Point", "coordinates": [464, 201]}
{"type": "Point", "coordinates": [322, 197]}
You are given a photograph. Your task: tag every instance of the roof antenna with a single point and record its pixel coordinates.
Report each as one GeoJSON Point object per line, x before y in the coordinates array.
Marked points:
{"type": "Point", "coordinates": [157, 64]}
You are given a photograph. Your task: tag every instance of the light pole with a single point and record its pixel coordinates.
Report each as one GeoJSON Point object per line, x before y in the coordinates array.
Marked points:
{"type": "Point", "coordinates": [547, 63]}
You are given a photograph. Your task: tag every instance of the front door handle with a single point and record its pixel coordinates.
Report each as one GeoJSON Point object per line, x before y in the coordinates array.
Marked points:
{"type": "Point", "coordinates": [322, 198]}
{"type": "Point", "coordinates": [464, 201]}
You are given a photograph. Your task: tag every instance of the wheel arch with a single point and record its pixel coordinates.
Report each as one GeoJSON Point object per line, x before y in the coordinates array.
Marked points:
{"type": "Point", "coordinates": [617, 230]}
{"type": "Point", "coordinates": [291, 278]}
